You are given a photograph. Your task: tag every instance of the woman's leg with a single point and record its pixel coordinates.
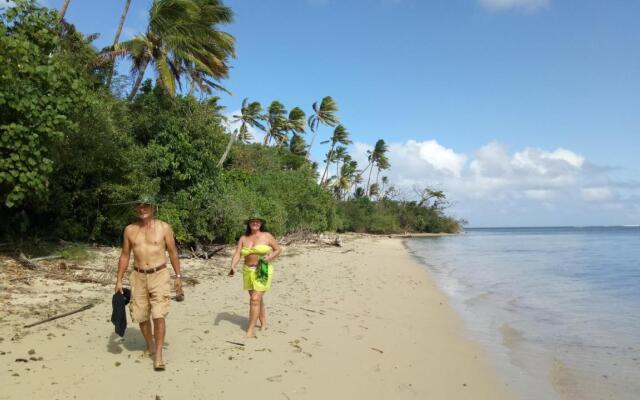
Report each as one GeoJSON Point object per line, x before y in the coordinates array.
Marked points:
{"type": "Point", "coordinates": [263, 315]}
{"type": "Point", "coordinates": [254, 311]}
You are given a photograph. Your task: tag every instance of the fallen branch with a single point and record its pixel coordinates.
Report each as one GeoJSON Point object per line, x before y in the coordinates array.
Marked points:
{"type": "Point", "coordinates": [313, 311]}
{"type": "Point", "coordinates": [46, 258]}
{"type": "Point", "coordinates": [83, 308]}
{"type": "Point", "coordinates": [25, 262]}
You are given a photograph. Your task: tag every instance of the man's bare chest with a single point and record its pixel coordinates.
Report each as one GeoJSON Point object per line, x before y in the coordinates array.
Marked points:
{"type": "Point", "coordinates": [144, 238]}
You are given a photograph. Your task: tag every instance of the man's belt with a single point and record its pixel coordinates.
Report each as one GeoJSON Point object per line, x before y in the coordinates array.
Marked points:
{"type": "Point", "coordinates": [150, 270]}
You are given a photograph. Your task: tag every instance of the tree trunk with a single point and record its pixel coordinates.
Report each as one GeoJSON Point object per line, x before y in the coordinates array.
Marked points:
{"type": "Point", "coordinates": [139, 78]}
{"type": "Point", "coordinates": [63, 10]}
{"type": "Point", "coordinates": [366, 191]}
{"type": "Point", "coordinates": [232, 139]}
{"type": "Point", "coordinates": [326, 169]}
{"type": "Point", "coordinates": [116, 39]}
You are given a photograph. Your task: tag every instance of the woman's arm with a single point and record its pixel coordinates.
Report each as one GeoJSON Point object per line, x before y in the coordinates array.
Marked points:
{"type": "Point", "coordinates": [276, 248]}
{"type": "Point", "coordinates": [236, 257]}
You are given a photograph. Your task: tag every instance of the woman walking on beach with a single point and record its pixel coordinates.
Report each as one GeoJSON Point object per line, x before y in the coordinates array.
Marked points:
{"type": "Point", "coordinates": [258, 247]}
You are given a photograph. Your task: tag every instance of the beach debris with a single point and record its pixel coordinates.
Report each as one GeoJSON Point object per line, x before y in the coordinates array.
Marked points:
{"type": "Point", "coordinates": [83, 308]}
{"type": "Point", "coordinates": [31, 352]}
{"type": "Point", "coordinates": [275, 378]}
{"type": "Point", "coordinates": [25, 262]}
{"type": "Point", "coordinates": [376, 349]}
{"type": "Point", "coordinates": [236, 343]}
{"type": "Point", "coordinates": [24, 360]}
{"type": "Point", "coordinates": [313, 311]}
{"type": "Point", "coordinates": [118, 363]}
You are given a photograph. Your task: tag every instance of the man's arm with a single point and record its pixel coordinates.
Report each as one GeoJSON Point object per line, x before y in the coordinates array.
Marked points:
{"type": "Point", "coordinates": [123, 262]}
{"type": "Point", "coordinates": [170, 240]}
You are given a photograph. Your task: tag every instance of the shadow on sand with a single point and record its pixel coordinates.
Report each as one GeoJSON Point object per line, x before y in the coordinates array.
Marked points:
{"type": "Point", "coordinates": [234, 318]}
{"type": "Point", "coordinates": [132, 341]}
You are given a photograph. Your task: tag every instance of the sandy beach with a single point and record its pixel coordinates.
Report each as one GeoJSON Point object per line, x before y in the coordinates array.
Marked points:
{"type": "Point", "coordinates": [364, 320]}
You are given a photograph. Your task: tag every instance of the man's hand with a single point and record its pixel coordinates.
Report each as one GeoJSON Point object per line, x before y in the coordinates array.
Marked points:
{"type": "Point", "coordinates": [178, 285]}
{"type": "Point", "coordinates": [118, 288]}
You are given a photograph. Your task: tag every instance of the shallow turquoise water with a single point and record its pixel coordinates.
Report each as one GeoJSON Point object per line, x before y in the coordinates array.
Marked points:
{"type": "Point", "coordinates": [559, 308]}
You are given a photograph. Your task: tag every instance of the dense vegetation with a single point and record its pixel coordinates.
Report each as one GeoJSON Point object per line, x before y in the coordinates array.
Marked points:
{"type": "Point", "coordinates": [75, 149]}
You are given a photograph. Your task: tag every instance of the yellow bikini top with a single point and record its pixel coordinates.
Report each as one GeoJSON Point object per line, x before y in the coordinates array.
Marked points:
{"type": "Point", "coordinates": [260, 249]}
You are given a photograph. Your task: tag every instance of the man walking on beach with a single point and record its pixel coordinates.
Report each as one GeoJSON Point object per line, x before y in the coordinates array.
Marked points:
{"type": "Point", "coordinates": [149, 239]}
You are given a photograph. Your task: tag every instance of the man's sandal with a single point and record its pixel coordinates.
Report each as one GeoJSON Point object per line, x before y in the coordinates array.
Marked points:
{"type": "Point", "coordinates": [158, 365]}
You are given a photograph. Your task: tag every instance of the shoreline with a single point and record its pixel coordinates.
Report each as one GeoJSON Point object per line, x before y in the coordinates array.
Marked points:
{"type": "Point", "coordinates": [363, 319]}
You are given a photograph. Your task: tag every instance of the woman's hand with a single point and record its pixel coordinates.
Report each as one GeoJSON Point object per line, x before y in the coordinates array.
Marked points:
{"type": "Point", "coordinates": [232, 271]}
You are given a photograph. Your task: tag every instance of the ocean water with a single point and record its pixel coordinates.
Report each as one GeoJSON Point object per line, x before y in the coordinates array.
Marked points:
{"type": "Point", "coordinates": [558, 309]}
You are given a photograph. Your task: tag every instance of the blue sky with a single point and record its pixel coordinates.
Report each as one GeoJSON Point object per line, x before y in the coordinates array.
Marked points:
{"type": "Point", "coordinates": [525, 111]}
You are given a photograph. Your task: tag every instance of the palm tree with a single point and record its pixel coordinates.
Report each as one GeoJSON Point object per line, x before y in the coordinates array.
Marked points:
{"type": "Point", "coordinates": [374, 190]}
{"type": "Point", "coordinates": [340, 135]}
{"type": "Point", "coordinates": [385, 182]}
{"type": "Point", "coordinates": [340, 154]}
{"type": "Point", "coordinates": [63, 9]}
{"type": "Point", "coordinates": [382, 164]}
{"type": "Point", "coordinates": [296, 123]}
{"type": "Point", "coordinates": [117, 38]}
{"type": "Point", "coordinates": [181, 37]}
{"type": "Point", "coordinates": [249, 116]}
{"type": "Point", "coordinates": [278, 123]}
{"type": "Point", "coordinates": [298, 146]}
{"type": "Point", "coordinates": [324, 113]}
{"type": "Point", "coordinates": [379, 152]}
{"type": "Point", "coordinates": [345, 179]}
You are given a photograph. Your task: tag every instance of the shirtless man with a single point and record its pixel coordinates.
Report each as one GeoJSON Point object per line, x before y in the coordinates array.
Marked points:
{"type": "Point", "coordinates": [149, 239]}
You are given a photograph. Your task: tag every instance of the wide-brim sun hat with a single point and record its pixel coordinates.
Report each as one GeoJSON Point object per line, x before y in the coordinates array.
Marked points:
{"type": "Point", "coordinates": [146, 199]}
{"type": "Point", "coordinates": [255, 217]}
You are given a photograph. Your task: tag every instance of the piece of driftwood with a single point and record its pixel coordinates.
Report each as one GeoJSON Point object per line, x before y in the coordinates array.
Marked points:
{"type": "Point", "coordinates": [83, 308]}
{"type": "Point", "coordinates": [313, 311]}
{"type": "Point", "coordinates": [55, 257]}
{"type": "Point", "coordinates": [236, 343]}
{"type": "Point", "coordinates": [25, 262]}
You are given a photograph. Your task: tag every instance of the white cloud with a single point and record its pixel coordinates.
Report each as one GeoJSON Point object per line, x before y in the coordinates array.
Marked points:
{"type": "Point", "coordinates": [597, 194]}
{"type": "Point", "coordinates": [6, 3]}
{"type": "Point", "coordinates": [498, 5]}
{"type": "Point", "coordinates": [498, 186]}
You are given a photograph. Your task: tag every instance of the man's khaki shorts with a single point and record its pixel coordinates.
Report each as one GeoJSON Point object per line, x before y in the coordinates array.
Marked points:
{"type": "Point", "coordinates": [150, 295]}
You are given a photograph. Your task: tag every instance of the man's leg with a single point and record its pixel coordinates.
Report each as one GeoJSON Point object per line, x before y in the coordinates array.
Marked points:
{"type": "Point", "coordinates": [159, 329]}
{"type": "Point", "coordinates": [145, 328]}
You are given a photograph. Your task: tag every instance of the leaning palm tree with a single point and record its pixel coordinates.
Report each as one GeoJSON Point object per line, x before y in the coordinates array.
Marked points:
{"type": "Point", "coordinates": [298, 146]}
{"type": "Point", "coordinates": [116, 39]}
{"type": "Point", "coordinates": [340, 135]}
{"type": "Point", "coordinates": [295, 124]}
{"type": "Point", "coordinates": [379, 151]}
{"type": "Point", "coordinates": [278, 123]}
{"type": "Point", "coordinates": [385, 182]}
{"type": "Point", "coordinates": [381, 165]}
{"type": "Point", "coordinates": [180, 37]}
{"type": "Point", "coordinates": [323, 113]}
{"type": "Point", "coordinates": [340, 155]}
{"type": "Point", "coordinates": [249, 117]}
{"type": "Point", "coordinates": [63, 9]}
{"type": "Point", "coordinates": [345, 179]}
